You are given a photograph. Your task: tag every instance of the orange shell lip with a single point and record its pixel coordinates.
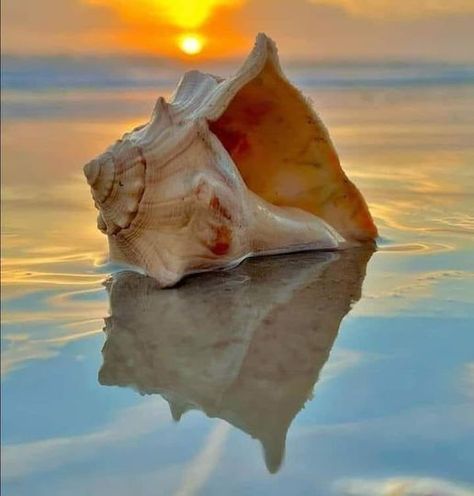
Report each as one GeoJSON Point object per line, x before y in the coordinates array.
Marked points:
{"type": "Point", "coordinates": [285, 155]}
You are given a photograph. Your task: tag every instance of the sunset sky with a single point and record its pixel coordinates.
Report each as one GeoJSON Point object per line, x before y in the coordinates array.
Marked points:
{"type": "Point", "coordinates": [308, 29]}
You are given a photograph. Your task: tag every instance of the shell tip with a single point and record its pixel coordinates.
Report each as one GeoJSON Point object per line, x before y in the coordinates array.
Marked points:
{"type": "Point", "coordinates": [265, 42]}
{"type": "Point", "coordinates": [266, 46]}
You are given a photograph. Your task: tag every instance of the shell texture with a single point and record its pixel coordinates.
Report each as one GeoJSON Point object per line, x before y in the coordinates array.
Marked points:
{"type": "Point", "coordinates": [228, 169]}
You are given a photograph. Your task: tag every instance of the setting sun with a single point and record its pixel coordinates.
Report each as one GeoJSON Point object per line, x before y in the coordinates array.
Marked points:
{"type": "Point", "coordinates": [191, 44]}
{"type": "Point", "coordinates": [178, 28]}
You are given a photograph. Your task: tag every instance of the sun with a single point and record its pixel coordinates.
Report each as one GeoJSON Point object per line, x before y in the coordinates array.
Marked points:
{"type": "Point", "coordinates": [191, 44]}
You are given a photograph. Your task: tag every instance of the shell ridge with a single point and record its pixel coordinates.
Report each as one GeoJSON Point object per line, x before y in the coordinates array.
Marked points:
{"type": "Point", "coordinates": [164, 152]}
{"type": "Point", "coordinates": [122, 203]}
{"type": "Point", "coordinates": [104, 180]}
{"type": "Point", "coordinates": [193, 90]}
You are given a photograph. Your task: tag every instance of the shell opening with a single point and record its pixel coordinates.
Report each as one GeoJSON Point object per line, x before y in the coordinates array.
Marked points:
{"type": "Point", "coordinates": [284, 153]}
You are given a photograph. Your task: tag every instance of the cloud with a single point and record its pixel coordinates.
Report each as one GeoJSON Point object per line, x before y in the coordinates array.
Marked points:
{"type": "Point", "coordinates": [341, 361]}
{"type": "Point", "coordinates": [302, 28]}
{"type": "Point", "coordinates": [201, 468]}
{"type": "Point", "coordinates": [20, 460]}
{"type": "Point", "coordinates": [24, 349]}
{"type": "Point", "coordinates": [401, 486]}
{"type": "Point", "coordinates": [419, 424]}
{"type": "Point", "coordinates": [396, 9]}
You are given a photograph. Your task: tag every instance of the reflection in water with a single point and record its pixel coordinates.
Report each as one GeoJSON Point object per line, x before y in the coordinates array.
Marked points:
{"type": "Point", "coordinates": [246, 346]}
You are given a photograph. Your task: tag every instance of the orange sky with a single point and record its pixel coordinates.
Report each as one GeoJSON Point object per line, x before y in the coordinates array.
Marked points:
{"type": "Point", "coordinates": [317, 29]}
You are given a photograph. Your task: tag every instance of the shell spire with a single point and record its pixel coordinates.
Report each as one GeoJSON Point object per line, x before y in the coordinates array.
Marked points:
{"type": "Point", "coordinates": [226, 170]}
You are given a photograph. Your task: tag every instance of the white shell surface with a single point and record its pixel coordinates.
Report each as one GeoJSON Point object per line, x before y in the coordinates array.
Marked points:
{"type": "Point", "coordinates": [173, 202]}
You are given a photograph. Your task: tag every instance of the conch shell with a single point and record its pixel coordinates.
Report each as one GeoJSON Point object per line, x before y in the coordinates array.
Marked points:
{"type": "Point", "coordinates": [228, 169]}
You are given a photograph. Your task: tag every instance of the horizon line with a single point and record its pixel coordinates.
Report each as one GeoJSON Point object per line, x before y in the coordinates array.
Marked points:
{"type": "Point", "coordinates": [292, 60]}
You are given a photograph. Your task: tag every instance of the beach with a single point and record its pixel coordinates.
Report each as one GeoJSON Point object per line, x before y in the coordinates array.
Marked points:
{"type": "Point", "coordinates": [383, 400]}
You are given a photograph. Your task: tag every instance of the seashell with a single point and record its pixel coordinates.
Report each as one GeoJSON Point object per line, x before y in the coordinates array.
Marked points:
{"type": "Point", "coordinates": [228, 169]}
{"type": "Point", "coordinates": [241, 366]}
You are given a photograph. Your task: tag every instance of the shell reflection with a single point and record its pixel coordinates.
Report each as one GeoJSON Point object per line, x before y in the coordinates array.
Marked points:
{"type": "Point", "coordinates": [246, 346]}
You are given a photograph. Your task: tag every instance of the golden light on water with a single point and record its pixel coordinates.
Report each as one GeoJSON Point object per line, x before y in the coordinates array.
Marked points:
{"type": "Point", "coordinates": [191, 44]}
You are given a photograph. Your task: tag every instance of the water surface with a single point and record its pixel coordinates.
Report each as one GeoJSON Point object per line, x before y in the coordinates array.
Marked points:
{"type": "Point", "coordinates": [318, 373]}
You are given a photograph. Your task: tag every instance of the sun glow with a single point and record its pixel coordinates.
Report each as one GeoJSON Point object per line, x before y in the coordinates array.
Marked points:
{"type": "Point", "coordinates": [184, 14]}
{"type": "Point", "coordinates": [178, 28]}
{"type": "Point", "coordinates": [191, 14]}
{"type": "Point", "coordinates": [191, 44]}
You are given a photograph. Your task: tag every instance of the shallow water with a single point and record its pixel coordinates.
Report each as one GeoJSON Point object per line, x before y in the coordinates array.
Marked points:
{"type": "Point", "coordinates": [316, 373]}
